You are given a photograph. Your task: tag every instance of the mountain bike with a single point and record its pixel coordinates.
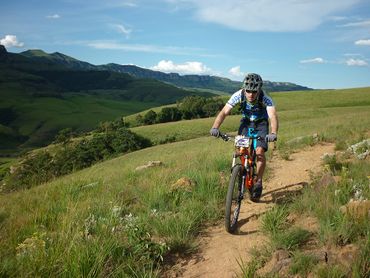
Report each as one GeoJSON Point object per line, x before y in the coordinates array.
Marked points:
{"type": "Point", "coordinates": [243, 175]}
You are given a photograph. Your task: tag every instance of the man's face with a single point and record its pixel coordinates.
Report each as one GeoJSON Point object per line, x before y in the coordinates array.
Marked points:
{"type": "Point", "coordinates": [251, 96]}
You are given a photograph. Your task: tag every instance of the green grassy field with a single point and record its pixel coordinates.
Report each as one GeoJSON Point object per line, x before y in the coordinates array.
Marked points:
{"type": "Point", "coordinates": [40, 118]}
{"type": "Point", "coordinates": [110, 220]}
{"type": "Point", "coordinates": [328, 113]}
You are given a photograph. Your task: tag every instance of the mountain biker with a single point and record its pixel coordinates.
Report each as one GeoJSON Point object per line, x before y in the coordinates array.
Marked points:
{"type": "Point", "coordinates": [257, 108]}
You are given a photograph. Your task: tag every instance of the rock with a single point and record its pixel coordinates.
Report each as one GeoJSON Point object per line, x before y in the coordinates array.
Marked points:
{"type": "Point", "coordinates": [279, 263]}
{"type": "Point", "coordinates": [3, 51]}
{"type": "Point", "coordinates": [347, 256]}
{"type": "Point", "coordinates": [358, 210]}
{"type": "Point", "coordinates": [184, 184]}
{"type": "Point", "coordinates": [327, 156]}
{"type": "Point", "coordinates": [361, 150]}
{"type": "Point", "coordinates": [315, 137]}
{"type": "Point", "coordinates": [13, 169]}
{"type": "Point", "coordinates": [326, 180]}
{"type": "Point", "coordinates": [298, 140]}
{"type": "Point", "coordinates": [280, 255]}
{"type": "Point", "coordinates": [149, 165]}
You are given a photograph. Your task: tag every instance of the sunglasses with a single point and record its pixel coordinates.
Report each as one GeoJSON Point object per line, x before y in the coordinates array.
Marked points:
{"type": "Point", "coordinates": [250, 92]}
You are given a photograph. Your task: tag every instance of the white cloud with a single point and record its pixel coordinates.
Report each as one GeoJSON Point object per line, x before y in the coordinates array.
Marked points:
{"type": "Point", "coordinates": [338, 18]}
{"type": "Point", "coordinates": [186, 68]}
{"type": "Point", "coordinates": [352, 54]}
{"type": "Point", "coordinates": [364, 23]}
{"type": "Point", "coordinates": [317, 60]}
{"type": "Point", "coordinates": [356, 62]}
{"type": "Point", "coordinates": [267, 15]}
{"type": "Point", "coordinates": [11, 40]}
{"type": "Point", "coordinates": [124, 30]}
{"type": "Point", "coordinates": [362, 42]}
{"type": "Point", "coordinates": [129, 4]}
{"type": "Point", "coordinates": [235, 71]}
{"type": "Point", "coordinates": [147, 48]}
{"type": "Point", "coordinates": [54, 16]}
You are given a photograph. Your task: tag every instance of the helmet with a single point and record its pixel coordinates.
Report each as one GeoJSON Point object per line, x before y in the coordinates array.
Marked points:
{"type": "Point", "coordinates": [252, 82]}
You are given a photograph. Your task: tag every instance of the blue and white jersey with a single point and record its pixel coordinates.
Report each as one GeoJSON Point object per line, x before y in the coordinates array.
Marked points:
{"type": "Point", "coordinates": [253, 111]}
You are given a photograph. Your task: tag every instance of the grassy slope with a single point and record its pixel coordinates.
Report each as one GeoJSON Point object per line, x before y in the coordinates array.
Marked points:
{"type": "Point", "coordinates": [39, 98]}
{"type": "Point", "coordinates": [40, 118]}
{"type": "Point", "coordinates": [59, 213]}
{"type": "Point", "coordinates": [300, 113]}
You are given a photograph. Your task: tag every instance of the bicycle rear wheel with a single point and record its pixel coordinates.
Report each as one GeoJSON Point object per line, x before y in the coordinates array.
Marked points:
{"type": "Point", "coordinates": [234, 199]}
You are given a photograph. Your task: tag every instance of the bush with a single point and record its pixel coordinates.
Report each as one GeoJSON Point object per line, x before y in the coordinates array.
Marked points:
{"type": "Point", "coordinates": [63, 136]}
{"type": "Point", "coordinates": [150, 118]}
{"type": "Point", "coordinates": [35, 168]}
{"type": "Point", "coordinates": [42, 166]}
{"type": "Point", "coordinates": [169, 114]}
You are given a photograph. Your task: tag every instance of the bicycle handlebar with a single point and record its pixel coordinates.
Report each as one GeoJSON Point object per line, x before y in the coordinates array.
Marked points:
{"type": "Point", "coordinates": [227, 137]}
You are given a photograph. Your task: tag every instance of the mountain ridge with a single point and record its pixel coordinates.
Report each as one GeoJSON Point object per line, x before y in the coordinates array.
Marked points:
{"type": "Point", "coordinates": [190, 81]}
{"type": "Point", "coordinates": [43, 93]}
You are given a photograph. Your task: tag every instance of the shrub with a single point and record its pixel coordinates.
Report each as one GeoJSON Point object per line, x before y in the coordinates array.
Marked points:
{"type": "Point", "coordinates": [169, 114]}
{"type": "Point", "coordinates": [150, 118]}
{"type": "Point", "coordinates": [42, 166]}
{"type": "Point", "coordinates": [63, 136]}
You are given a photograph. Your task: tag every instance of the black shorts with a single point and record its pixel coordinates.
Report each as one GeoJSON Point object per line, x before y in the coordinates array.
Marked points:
{"type": "Point", "coordinates": [261, 127]}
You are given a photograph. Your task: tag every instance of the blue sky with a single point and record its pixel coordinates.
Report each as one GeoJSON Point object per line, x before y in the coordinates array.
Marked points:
{"type": "Point", "coordinates": [319, 44]}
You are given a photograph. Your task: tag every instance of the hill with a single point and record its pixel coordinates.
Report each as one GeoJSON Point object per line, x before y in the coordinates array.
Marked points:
{"type": "Point", "coordinates": [200, 82]}
{"type": "Point", "coordinates": [43, 93]}
{"type": "Point", "coordinates": [58, 58]}
{"type": "Point", "coordinates": [193, 81]}
{"type": "Point", "coordinates": [114, 220]}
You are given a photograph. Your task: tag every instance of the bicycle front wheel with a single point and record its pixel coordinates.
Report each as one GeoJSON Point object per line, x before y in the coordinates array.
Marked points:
{"type": "Point", "coordinates": [234, 199]}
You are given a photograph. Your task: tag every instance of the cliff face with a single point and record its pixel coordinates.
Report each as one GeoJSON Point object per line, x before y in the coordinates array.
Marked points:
{"type": "Point", "coordinates": [3, 51]}
{"type": "Point", "coordinates": [198, 81]}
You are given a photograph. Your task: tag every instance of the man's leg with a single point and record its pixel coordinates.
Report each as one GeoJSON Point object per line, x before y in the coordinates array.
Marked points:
{"type": "Point", "coordinates": [262, 147]}
{"type": "Point", "coordinates": [261, 162]}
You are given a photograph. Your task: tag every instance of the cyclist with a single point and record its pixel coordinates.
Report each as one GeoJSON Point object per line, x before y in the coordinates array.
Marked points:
{"type": "Point", "coordinates": [257, 108]}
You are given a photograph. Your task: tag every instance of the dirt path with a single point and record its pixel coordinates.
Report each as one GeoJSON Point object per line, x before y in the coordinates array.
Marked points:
{"type": "Point", "coordinates": [219, 251]}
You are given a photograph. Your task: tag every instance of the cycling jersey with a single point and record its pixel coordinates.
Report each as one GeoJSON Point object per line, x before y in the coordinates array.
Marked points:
{"type": "Point", "coordinates": [255, 111]}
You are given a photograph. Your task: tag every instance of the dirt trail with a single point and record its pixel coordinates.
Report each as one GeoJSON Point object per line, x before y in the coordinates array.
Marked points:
{"type": "Point", "coordinates": [218, 250]}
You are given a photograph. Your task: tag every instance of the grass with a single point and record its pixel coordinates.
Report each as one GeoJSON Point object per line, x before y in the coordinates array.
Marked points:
{"type": "Point", "coordinates": [335, 228]}
{"type": "Point", "coordinates": [110, 220]}
{"type": "Point", "coordinates": [330, 272]}
{"type": "Point", "coordinates": [275, 220]}
{"type": "Point", "coordinates": [302, 263]}
{"type": "Point", "coordinates": [301, 114]}
{"type": "Point", "coordinates": [290, 239]}
{"type": "Point", "coordinates": [75, 213]}
{"type": "Point", "coordinates": [40, 118]}
{"type": "Point", "coordinates": [282, 235]}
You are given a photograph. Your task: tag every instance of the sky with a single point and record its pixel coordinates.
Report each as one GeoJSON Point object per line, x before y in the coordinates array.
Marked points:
{"type": "Point", "coordinates": [313, 43]}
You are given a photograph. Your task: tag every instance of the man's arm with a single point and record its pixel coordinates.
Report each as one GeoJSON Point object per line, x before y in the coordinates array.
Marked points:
{"type": "Point", "coordinates": [222, 115]}
{"type": "Point", "coordinates": [274, 122]}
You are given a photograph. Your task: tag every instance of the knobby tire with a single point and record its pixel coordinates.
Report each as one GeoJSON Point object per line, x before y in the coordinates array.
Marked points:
{"type": "Point", "coordinates": [234, 199]}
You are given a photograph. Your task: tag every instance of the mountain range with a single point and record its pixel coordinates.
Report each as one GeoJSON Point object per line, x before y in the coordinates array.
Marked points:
{"type": "Point", "coordinates": [43, 93]}
{"type": "Point", "coordinates": [206, 82]}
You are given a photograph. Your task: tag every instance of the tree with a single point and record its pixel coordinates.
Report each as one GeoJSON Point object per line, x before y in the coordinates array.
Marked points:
{"type": "Point", "coordinates": [64, 136]}
{"type": "Point", "coordinates": [150, 117]}
{"type": "Point", "coordinates": [169, 114]}
{"type": "Point", "coordinates": [212, 107]}
{"type": "Point", "coordinates": [139, 119]}
{"type": "Point", "coordinates": [192, 107]}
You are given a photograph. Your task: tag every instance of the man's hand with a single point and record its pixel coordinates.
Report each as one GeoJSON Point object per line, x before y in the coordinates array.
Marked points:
{"type": "Point", "coordinates": [271, 137]}
{"type": "Point", "coordinates": [214, 132]}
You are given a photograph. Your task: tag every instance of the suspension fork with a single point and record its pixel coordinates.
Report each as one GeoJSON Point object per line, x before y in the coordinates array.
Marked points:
{"type": "Point", "coordinates": [243, 158]}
